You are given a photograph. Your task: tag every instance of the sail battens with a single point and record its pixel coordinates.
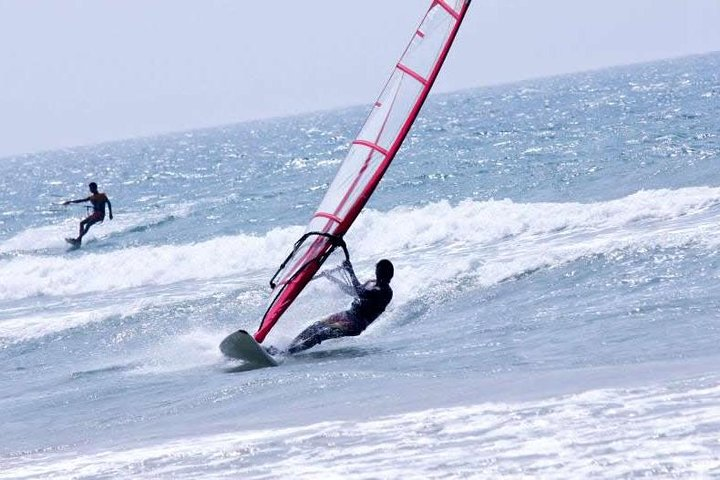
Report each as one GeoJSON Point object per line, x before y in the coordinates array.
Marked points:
{"type": "Point", "coordinates": [448, 8]}
{"type": "Point", "coordinates": [372, 145]}
{"type": "Point", "coordinates": [329, 216]}
{"type": "Point", "coordinates": [412, 73]}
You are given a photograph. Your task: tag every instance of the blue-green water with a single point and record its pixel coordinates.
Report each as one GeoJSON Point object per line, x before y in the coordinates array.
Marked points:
{"type": "Point", "coordinates": [555, 310]}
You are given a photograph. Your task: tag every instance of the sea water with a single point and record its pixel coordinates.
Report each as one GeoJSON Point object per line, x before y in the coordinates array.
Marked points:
{"type": "Point", "coordinates": [556, 302]}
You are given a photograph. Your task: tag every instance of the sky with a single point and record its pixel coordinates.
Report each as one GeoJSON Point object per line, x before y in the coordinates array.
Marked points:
{"type": "Point", "coordinates": [76, 72]}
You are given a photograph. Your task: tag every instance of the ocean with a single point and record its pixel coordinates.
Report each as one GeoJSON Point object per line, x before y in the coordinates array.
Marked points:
{"type": "Point", "coordinates": [556, 308]}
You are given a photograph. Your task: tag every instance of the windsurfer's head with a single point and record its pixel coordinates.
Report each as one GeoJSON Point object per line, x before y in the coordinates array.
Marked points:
{"type": "Point", "coordinates": [93, 187]}
{"type": "Point", "coordinates": [384, 271]}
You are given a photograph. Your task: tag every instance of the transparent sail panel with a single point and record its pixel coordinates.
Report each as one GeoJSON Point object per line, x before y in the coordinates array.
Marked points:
{"type": "Point", "coordinates": [423, 52]}
{"type": "Point", "coordinates": [397, 100]}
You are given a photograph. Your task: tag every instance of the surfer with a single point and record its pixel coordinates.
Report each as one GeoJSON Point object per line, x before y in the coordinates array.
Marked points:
{"type": "Point", "coordinates": [98, 200]}
{"type": "Point", "coordinates": [371, 299]}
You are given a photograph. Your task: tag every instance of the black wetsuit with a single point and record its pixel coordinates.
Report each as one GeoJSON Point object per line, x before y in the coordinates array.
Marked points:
{"type": "Point", "coordinates": [371, 300]}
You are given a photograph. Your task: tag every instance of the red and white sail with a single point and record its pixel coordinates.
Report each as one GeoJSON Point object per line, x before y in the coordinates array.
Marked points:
{"type": "Point", "coordinates": [370, 153]}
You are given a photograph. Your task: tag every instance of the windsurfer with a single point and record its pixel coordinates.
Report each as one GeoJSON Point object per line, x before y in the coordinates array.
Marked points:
{"type": "Point", "coordinates": [98, 200]}
{"type": "Point", "coordinates": [371, 299]}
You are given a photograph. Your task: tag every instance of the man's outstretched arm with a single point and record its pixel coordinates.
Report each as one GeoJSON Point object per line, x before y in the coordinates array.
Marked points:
{"type": "Point", "coordinates": [109, 208]}
{"type": "Point", "coordinates": [80, 200]}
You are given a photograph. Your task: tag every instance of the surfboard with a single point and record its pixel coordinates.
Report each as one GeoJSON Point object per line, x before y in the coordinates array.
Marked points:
{"type": "Point", "coordinates": [74, 243]}
{"type": "Point", "coordinates": [369, 156]}
{"type": "Point", "coordinates": [242, 346]}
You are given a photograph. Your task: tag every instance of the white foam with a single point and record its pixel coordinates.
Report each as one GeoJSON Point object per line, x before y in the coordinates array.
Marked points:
{"type": "Point", "coordinates": [496, 240]}
{"type": "Point", "coordinates": [432, 246]}
{"type": "Point", "coordinates": [28, 276]}
{"type": "Point", "coordinates": [481, 223]}
{"type": "Point", "coordinates": [52, 236]}
{"type": "Point", "coordinates": [40, 324]}
{"type": "Point", "coordinates": [659, 431]}
{"type": "Point", "coordinates": [192, 349]}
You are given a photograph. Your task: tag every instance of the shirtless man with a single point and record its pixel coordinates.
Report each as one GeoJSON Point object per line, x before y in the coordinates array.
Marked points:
{"type": "Point", "coordinates": [98, 200]}
{"type": "Point", "coordinates": [371, 299]}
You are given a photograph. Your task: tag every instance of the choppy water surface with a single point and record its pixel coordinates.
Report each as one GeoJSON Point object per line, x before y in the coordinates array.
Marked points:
{"type": "Point", "coordinates": [555, 312]}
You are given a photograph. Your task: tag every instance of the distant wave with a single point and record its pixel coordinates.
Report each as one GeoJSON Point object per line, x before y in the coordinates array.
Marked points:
{"type": "Point", "coordinates": [30, 275]}
{"type": "Point", "coordinates": [50, 238]}
{"type": "Point", "coordinates": [147, 226]}
{"type": "Point", "coordinates": [438, 241]}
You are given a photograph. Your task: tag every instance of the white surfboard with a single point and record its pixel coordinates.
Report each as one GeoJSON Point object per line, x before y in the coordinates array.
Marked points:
{"type": "Point", "coordinates": [242, 346]}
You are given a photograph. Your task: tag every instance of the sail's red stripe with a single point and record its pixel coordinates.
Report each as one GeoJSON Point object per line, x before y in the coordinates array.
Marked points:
{"type": "Point", "coordinates": [374, 146]}
{"type": "Point", "coordinates": [412, 73]}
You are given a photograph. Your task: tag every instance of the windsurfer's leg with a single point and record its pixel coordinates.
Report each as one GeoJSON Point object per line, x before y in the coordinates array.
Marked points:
{"type": "Point", "coordinates": [315, 334]}
{"type": "Point", "coordinates": [85, 226]}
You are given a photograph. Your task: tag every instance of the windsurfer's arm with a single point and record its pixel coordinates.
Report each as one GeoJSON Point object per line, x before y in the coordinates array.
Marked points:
{"type": "Point", "coordinates": [109, 207]}
{"type": "Point", "coordinates": [80, 200]}
{"type": "Point", "coordinates": [343, 284]}
{"type": "Point", "coordinates": [356, 285]}
{"type": "Point", "coordinates": [347, 281]}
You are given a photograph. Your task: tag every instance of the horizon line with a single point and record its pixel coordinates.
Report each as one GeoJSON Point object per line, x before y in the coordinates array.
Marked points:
{"type": "Point", "coordinates": [199, 128]}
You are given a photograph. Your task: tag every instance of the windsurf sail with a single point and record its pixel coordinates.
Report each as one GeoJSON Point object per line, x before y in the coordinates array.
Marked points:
{"type": "Point", "coordinates": [369, 155]}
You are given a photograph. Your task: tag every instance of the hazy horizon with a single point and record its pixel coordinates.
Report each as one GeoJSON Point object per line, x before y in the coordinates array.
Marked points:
{"type": "Point", "coordinates": [354, 105]}
{"type": "Point", "coordinates": [77, 74]}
